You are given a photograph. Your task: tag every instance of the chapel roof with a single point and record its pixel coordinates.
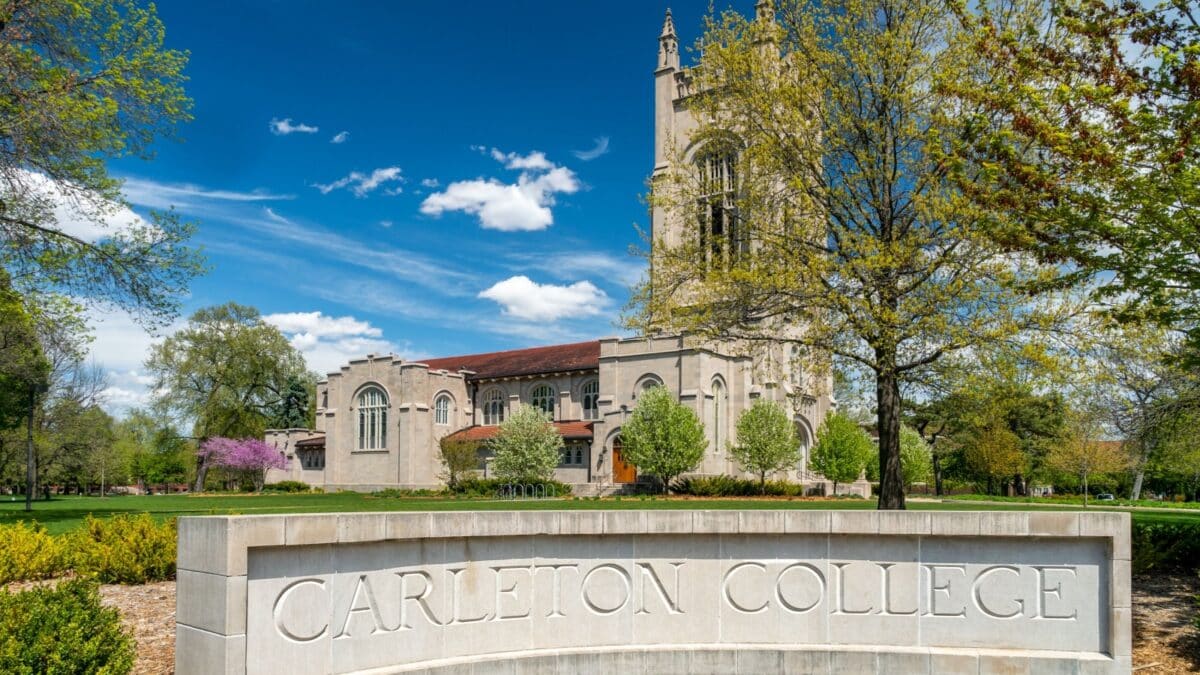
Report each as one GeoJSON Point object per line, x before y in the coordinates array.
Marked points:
{"type": "Point", "coordinates": [517, 362]}
{"type": "Point", "coordinates": [570, 430]}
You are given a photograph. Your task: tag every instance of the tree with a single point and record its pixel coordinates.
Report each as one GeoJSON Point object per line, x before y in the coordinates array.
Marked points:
{"type": "Point", "coordinates": [249, 456]}
{"type": "Point", "coordinates": [80, 83]}
{"type": "Point", "coordinates": [226, 371]}
{"type": "Point", "coordinates": [527, 448]}
{"type": "Point", "coordinates": [23, 368]}
{"type": "Point", "coordinates": [993, 452]}
{"type": "Point", "coordinates": [295, 410]}
{"type": "Point", "coordinates": [1090, 128]}
{"type": "Point", "coordinates": [848, 233]}
{"type": "Point", "coordinates": [916, 459]}
{"type": "Point", "coordinates": [1083, 454]}
{"type": "Point", "coordinates": [842, 450]}
{"type": "Point", "coordinates": [459, 456]}
{"type": "Point", "coordinates": [766, 441]}
{"type": "Point", "coordinates": [663, 438]}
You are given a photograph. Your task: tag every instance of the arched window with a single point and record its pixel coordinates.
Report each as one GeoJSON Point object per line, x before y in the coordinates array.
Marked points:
{"type": "Point", "coordinates": [543, 399]}
{"type": "Point", "coordinates": [493, 407]}
{"type": "Point", "coordinates": [441, 409]}
{"type": "Point", "coordinates": [719, 409]}
{"type": "Point", "coordinates": [372, 419]}
{"type": "Point", "coordinates": [797, 368]}
{"type": "Point", "coordinates": [591, 400]}
{"type": "Point", "coordinates": [720, 237]}
{"type": "Point", "coordinates": [647, 382]}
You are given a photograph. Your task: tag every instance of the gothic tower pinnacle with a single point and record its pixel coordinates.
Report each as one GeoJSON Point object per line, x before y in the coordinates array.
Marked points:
{"type": "Point", "coordinates": [668, 45]}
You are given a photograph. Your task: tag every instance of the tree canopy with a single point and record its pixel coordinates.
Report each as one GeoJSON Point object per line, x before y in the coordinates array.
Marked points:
{"type": "Point", "coordinates": [842, 450]}
{"type": "Point", "coordinates": [527, 447]}
{"type": "Point", "coordinates": [80, 83]}
{"type": "Point", "coordinates": [662, 437]}
{"type": "Point", "coordinates": [766, 440]}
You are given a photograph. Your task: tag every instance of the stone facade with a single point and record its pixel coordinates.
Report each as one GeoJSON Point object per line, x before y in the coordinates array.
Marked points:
{"type": "Point", "coordinates": [718, 381]}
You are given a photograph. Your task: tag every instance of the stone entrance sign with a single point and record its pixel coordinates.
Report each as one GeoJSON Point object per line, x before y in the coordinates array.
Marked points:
{"type": "Point", "coordinates": [655, 592]}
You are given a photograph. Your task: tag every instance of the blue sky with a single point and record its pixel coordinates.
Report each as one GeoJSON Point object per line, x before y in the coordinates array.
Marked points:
{"type": "Point", "coordinates": [423, 178]}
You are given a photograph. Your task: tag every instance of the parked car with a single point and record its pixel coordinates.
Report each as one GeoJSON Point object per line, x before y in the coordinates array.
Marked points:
{"type": "Point", "coordinates": [1105, 497]}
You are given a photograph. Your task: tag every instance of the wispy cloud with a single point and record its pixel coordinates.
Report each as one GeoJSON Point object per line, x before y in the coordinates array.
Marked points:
{"type": "Point", "coordinates": [155, 195]}
{"type": "Point", "coordinates": [340, 137]}
{"type": "Point", "coordinates": [362, 184]}
{"type": "Point", "coordinates": [285, 127]}
{"type": "Point", "coordinates": [598, 150]}
{"type": "Point", "coordinates": [521, 206]}
{"type": "Point", "coordinates": [430, 183]}
{"type": "Point", "coordinates": [328, 342]}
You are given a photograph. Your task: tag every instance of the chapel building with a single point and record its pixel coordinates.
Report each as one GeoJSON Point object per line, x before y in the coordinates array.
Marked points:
{"type": "Point", "coordinates": [380, 418]}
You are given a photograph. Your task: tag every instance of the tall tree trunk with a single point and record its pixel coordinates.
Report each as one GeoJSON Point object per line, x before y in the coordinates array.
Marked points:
{"type": "Point", "coordinates": [937, 475]}
{"type": "Point", "coordinates": [1139, 471]}
{"type": "Point", "coordinates": [201, 474]}
{"type": "Point", "coordinates": [887, 391]}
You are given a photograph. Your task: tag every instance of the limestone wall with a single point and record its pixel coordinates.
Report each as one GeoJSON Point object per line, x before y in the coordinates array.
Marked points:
{"type": "Point", "coordinates": [655, 591]}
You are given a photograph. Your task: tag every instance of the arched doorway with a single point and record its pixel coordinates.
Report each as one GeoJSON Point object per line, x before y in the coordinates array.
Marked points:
{"type": "Point", "coordinates": [623, 472]}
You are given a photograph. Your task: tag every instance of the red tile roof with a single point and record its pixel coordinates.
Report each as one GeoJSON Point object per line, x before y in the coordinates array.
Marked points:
{"type": "Point", "coordinates": [515, 362]}
{"type": "Point", "coordinates": [573, 430]}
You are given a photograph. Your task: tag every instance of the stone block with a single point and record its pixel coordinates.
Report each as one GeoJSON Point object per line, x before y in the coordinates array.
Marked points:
{"type": "Point", "coordinates": [806, 662]}
{"type": "Point", "coordinates": [1003, 523]}
{"type": "Point", "coordinates": [668, 522]}
{"type": "Point", "coordinates": [211, 602]}
{"type": "Point", "coordinates": [953, 663]}
{"type": "Point", "coordinates": [806, 522]}
{"type": "Point", "coordinates": [853, 662]}
{"type": "Point", "coordinates": [955, 523]}
{"type": "Point", "coordinates": [1120, 583]}
{"type": "Point", "coordinates": [624, 522]}
{"type": "Point", "coordinates": [1121, 631]}
{"type": "Point", "coordinates": [759, 661]}
{"type": "Point", "coordinates": [409, 525]}
{"type": "Point", "coordinates": [715, 522]}
{"type": "Point", "coordinates": [712, 660]}
{"type": "Point", "coordinates": [1053, 524]}
{"type": "Point", "coordinates": [1003, 664]}
{"type": "Point", "coordinates": [361, 527]}
{"type": "Point", "coordinates": [904, 522]}
{"type": "Point", "coordinates": [581, 522]}
{"type": "Point", "coordinates": [310, 530]}
{"type": "Point", "coordinates": [854, 522]}
{"type": "Point", "coordinates": [761, 522]}
{"type": "Point", "coordinates": [1111, 525]}
{"type": "Point", "coordinates": [202, 653]}
{"type": "Point", "coordinates": [909, 662]}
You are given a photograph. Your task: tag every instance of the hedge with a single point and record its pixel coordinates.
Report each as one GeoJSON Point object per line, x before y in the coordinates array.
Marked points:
{"type": "Point", "coordinates": [62, 629]}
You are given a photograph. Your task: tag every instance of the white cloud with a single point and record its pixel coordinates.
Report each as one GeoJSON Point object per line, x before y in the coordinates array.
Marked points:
{"type": "Point", "coordinates": [76, 213]}
{"type": "Point", "coordinates": [284, 127]}
{"type": "Point", "coordinates": [340, 137]}
{"type": "Point", "coordinates": [362, 184]}
{"type": "Point", "coordinates": [534, 161]}
{"type": "Point", "coordinates": [327, 342]}
{"type": "Point", "coordinates": [598, 150]}
{"type": "Point", "coordinates": [430, 183]}
{"type": "Point", "coordinates": [523, 206]}
{"type": "Point", "coordinates": [120, 347]}
{"type": "Point", "coordinates": [522, 298]}
{"type": "Point", "coordinates": [386, 224]}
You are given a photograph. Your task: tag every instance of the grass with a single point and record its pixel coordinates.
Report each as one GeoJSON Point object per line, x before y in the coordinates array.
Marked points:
{"type": "Point", "coordinates": [66, 513]}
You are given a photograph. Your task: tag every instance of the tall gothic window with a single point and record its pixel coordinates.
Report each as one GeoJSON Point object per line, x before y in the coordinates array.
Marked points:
{"type": "Point", "coordinates": [543, 399]}
{"type": "Point", "coordinates": [719, 411]}
{"type": "Point", "coordinates": [372, 419]}
{"type": "Point", "coordinates": [797, 369]}
{"type": "Point", "coordinates": [493, 407]}
{"type": "Point", "coordinates": [441, 410]}
{"type": "Point", "coordinates": [720, 238]}
{"type": "Point", "coordinates": [591, 400]}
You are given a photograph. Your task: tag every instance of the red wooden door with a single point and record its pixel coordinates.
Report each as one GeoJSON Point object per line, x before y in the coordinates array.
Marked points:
{"type": "Point", "coordinates": [623, 472]}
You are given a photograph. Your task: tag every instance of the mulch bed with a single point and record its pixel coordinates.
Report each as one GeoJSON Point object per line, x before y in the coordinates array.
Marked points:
{"type": "Point", "coordinates": [1164, 639]}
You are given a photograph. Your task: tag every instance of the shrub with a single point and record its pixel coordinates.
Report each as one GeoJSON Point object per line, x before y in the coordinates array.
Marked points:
{"type": "Point", "coordinates": [29, 552]}
{"type": "Point", "coordinates": [407, 493]}
{"type": "Point", "coordinates": [490, 487]}
{"type": "Point", "coordinates": [62, 629]}
{"type": "Point", "coordinates": [288, 486]}
{"type": "Point", "coordinates": [731, 486]}
{"type": "Point", "coordinates": [459, 457]}
{"type": "Point", "coordinates": [1165, 544]}
{"type": "Point", "coordinates": [842, 450]}
{"type": "Point", "coordinates": [124, 549]}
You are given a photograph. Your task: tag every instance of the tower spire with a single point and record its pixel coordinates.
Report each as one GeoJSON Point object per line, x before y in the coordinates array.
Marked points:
{"type": "Point", "coordinates": [668, 45]}
{"type": "Point", "coordinates": [764, 10]}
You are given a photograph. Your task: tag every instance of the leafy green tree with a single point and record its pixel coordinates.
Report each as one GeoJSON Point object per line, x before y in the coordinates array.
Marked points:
{"type": "Point", "coordinates": [81, 83]}
{"type": "Point", "coordinates": [295, 410]}
{"type": "Point", "coordinates": [23, 368]}
{"type": "Point", "coordinates": [842, 450]}
{"type": "Point", "coordinates": [1088, 122]}
{"type": "Point", "coordinates": [846, 228]}
{"type": "Point", "coordinates": [459, 457]}
{"type": "Point", "coordinates": [528, 447]}
{"type": "Point", "coordinates": [766, 441]}
{"type": "Point", "coordinates": [663, 438]}
{"type": "Point", "coordinates": [993, 452]}
{"type": "Point", "coordinates": [227, 371]}
{"type": "Point", "coordinates": [916, 459]}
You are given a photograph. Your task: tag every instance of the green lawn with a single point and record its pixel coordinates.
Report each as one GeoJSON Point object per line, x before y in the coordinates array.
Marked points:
{"type": "Point", "coordinates": [65, 513]}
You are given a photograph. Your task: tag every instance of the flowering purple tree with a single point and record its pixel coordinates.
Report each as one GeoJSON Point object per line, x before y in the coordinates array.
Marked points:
{"type": "Point", "coordinates": [248, 455]}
